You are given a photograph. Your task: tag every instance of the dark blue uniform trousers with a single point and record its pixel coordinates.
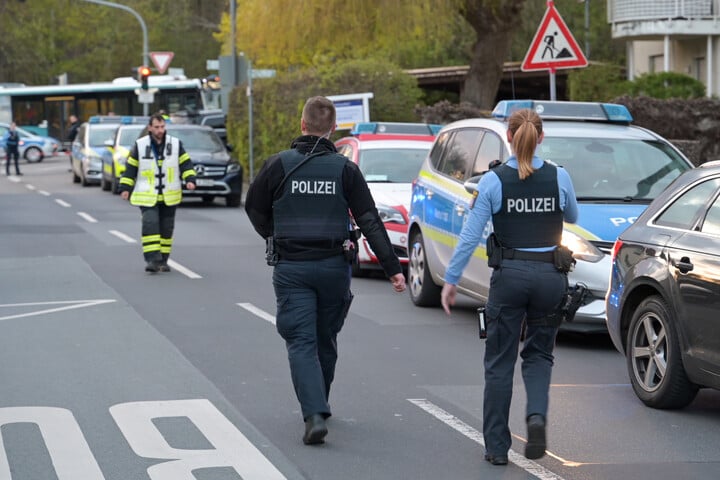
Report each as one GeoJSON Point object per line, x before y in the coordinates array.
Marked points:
{"type": "Point", "coordinates": [519, 289]}
{"type": "Point", "coordinates": [313, 298]}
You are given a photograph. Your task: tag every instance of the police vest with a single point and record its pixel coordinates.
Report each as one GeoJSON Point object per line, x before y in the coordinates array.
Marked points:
{"type": "Point", "coordinates": [530, 215]}
{"type": "Point", "coordinates": [153, 179]}
{"type": "Point", "coordinates": [310, 214]}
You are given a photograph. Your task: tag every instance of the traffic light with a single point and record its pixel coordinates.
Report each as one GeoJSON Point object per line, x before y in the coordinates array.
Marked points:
{"type": "Point", "coordinates": [143, 75]}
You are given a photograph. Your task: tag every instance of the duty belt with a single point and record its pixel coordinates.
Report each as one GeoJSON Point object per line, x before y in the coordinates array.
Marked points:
{"type": "Point", "coordinates": [511, 253]}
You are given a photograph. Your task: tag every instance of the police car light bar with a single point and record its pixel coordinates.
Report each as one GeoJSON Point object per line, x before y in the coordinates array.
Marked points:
{"type": "Point", "coordinates": [589, 111]}
{"type": "Point", "coordinates": [395, 128]}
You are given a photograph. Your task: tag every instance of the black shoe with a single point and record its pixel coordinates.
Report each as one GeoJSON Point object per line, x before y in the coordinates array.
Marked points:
{"type": "Point", "coordinates": [163, 267]}
{"type": "Point", "coordinates": [496, 459]}
{"type": "Point", "coordinates": [19, 174]}
{"type": "Point", "coordinates": [536, 445]}
{"type": "Point", "coordinates": [152, 267]}
{"type": "Point", "coordinates": [315, 430]}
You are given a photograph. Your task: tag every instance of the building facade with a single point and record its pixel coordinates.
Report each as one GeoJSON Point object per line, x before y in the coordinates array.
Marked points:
{"type": "Point", "coordinates": [670, 36]}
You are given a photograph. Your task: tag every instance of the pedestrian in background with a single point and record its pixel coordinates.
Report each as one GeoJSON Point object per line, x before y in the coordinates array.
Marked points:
{"type": "Point", "coordinates": [526, 286]}
{"type": "Point", "coordinates": [299, 203]}
{"type": "Point", "coordinates": [156, 167]}
{"type": "Point", "coordinates": [11, 139]}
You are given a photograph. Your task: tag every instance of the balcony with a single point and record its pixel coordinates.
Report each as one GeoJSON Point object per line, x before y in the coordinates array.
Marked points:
{"type": "Point", "coordinates": [649, 19]}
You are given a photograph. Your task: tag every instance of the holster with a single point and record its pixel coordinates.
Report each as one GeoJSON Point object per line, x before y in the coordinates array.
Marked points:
{"type": "Point", "coordinates": [494, 251]}
{"type": "Point", "coordinates": [572, 300]}
{"type": "Point", "coordinates": [563, 259]}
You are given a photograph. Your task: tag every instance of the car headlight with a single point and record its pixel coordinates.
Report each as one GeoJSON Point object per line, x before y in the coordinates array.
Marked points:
{"type": "Point", "coordinates": [233, 167]}
{"type": "Point", "coordinates": [390, 214]}
{"type": "Point", "coordinates": [581, 248]}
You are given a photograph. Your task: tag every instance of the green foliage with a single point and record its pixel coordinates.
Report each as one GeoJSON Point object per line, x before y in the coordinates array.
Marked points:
{"type": "Point", "coordinates": [667, 85]}
{"type": "Point", "coordinates": [278, 102]}
{"type": "Point", "coordinates": [597, 83]}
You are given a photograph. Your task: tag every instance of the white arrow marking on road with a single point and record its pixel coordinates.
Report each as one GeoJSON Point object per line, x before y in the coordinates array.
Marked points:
{"type": "Point", "coordinates": [256, 311]}
{"type": "Point", "coordinates": [62, 203]}
{"type": "Point", "coordinates": [452, 421]}
{"type": "Point", "coordinates": [69, 305]}
{"type": "Point", "coordinates": [87, 217]}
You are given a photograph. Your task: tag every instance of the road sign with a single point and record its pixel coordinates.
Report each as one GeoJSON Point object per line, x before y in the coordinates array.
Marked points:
{"type": "Point", "coordinates": [161, 60]}
{"type": "Point", "coordinates": [553, 46]}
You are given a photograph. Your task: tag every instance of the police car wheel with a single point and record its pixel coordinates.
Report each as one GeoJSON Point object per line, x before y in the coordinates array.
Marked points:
{"type": "Point", "coordinates": [33, 155]}
{"type": "Point", "coordinates": [423, 291]}
{"type": "Point", "coordinates": [653, 357]}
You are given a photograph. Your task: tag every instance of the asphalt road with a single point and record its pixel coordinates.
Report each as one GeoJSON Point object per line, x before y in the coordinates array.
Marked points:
{"type": "Point", "coordinates": [111, 373]}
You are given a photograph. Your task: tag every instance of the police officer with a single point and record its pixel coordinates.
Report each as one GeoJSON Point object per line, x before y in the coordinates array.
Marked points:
{"type": "Point", "coordinates": [156, 167]}
{"type": "Point", "coordinates": [299, 202]}
{"type": "Point", "coordinates": [528, 200]}
{"type": "Point", "coordinates": [12, 145]}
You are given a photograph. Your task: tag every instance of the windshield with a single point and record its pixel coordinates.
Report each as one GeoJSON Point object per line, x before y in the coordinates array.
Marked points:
{"type": "Point", "coordinates": [396, 165]}
{"type": "Point", "coordinates": [128, 136]}
{"type": "Point", "coordinates": [198, 139]}
{"type": "Point", "coordinates": [98, 136]}
{"type": "Point", "coordinates": [615, 169]}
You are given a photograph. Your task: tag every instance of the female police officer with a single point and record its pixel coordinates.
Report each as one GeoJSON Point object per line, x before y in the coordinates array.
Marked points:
{"type": "Point", "coordinates": [525, 284]}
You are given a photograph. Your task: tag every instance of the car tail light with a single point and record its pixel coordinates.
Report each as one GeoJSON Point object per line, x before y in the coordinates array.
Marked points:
{"type": "Point", "coordinates": [616, 248]}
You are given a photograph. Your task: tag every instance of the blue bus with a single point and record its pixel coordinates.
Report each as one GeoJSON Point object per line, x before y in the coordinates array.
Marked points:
{"type": "Point", "coordinates": [45, 109]}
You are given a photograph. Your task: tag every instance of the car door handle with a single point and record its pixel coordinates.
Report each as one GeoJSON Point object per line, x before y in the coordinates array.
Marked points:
{"type": "Point", "coordinates": [460, 210]}
{"type": "Point", "coordinates": [684, 265]}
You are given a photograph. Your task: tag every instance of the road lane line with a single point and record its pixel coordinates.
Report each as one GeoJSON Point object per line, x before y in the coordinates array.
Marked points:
{"type": "Point", "coordinates": [87, 217]}
{"type": "Point", "coordinates": [73, 304]}
{"type": "Point", "coordinates": [452, 421]}
{"type": "Point", "coordinates": [184, 270]}
{"type": "Point", "coordinates": [29, 186]}
{"type": "Point", "coordinates": [62, 203]}
{"type": "Point", "coordinates": [256, 311]}
{"type": "Point", "coordinates": [43, 192]}
{"type": "Point", "coordinates": [122, 236]}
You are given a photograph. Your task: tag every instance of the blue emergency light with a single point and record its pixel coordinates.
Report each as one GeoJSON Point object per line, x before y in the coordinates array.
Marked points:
{"type": "Point", "coordinates": [395, 128]}
{"type": "Point", "coordinates": [575, 111]}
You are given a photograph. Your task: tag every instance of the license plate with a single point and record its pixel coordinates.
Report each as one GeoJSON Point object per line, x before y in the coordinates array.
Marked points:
{"type": "Point", "coordinates": [204, 182]}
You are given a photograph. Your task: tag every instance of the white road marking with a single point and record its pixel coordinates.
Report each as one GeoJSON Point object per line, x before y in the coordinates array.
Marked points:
{"type": "Point", "coordinates": [450, 420]}
{"type": "Point", "coordinates": [122, 236]}
{"type": "Point", "coordinates": [184, 270]}
{"type": "Point", "coordinates": [43, 192]}
{"type": "Point", "coordinates": [256, 311]}
{"type": "Point", "coordinates": [13, 178]}
{"type": "Point", "coordinates": [69, 305]}
{"type": "Point", "coordinates": [62, 203]}
{"type": "Point", "coordinates": [29, 186]}
{"type": "Point", "coordinates": [87, 217]}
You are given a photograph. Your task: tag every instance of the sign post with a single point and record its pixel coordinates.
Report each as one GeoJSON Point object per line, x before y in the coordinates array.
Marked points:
{"type": "Point", "coordinates": [553, 47]}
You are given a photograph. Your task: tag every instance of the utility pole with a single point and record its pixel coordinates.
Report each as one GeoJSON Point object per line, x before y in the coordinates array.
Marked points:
{"type": "Point", "coordinates": [142, 26]}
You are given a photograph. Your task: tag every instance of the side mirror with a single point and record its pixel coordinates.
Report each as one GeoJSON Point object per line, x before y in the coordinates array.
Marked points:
{"type": "Point", "coordinates": [229, 147]}
{"type": "Point", "coordinates": [108, 143]}
{"type": "Point", "coordinates": [472, 183]}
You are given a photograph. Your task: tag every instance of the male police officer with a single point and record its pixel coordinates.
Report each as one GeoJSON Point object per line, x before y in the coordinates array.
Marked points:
{"type": "Point", "coordinates": [155, 169]}
{"type": "Point", "coordinates": [299, 202]}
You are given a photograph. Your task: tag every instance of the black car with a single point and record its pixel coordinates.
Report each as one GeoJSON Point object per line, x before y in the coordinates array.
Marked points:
{"type": "Point", "coordinates": [663, 301]}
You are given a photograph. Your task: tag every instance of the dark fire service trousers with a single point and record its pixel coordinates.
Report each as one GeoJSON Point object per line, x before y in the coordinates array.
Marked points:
{"type": "Point", "coordinates": [158, 223]}
{"type": "Point", "coordinates": [519, 289]}
{"type": "Point", "coordinates": [313, 298]}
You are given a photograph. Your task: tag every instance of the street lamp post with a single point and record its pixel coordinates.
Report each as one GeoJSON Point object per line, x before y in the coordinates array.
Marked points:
{"type": "Point", "coordinates": [142, 26]}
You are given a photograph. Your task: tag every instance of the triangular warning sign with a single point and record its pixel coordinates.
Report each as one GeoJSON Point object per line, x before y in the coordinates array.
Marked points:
{"type": "Point", "coordinates": [553, 46]}
{"type": "Point", "coordinates": [161, 60]}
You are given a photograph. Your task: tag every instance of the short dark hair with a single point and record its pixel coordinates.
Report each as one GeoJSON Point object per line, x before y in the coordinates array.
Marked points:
{"type": "Point", "coordinates": [319, 115]}
{"type": "Point", "coordinates": [156, 116]}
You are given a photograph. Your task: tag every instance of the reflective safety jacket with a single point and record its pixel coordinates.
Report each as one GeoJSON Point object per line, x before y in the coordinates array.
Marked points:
{"type": "Point", "coordinates": [530, 205]}
{"type": "Point", "coordinates": [154, 172]}
{"type": "Point", "coordinates": [310, 216]}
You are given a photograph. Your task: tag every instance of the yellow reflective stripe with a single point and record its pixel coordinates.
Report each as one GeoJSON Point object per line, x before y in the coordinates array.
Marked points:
{"type": "Point", "coordinates": [166, 241]}
{"type": "Point", "coordinates": [127, 181]}
{"type": "Point", "coordinates": [133, 162]}
{"type": "Point", "coordinates": [165, 249]}
{"type": "Point", "coordinates": [184, 158]}
{"type": "Point", "coordinates": [151, 238]}
{"type": "Point", "coordinates": [172, 198]}
{"type": "Point", "coordinates": [188, 173]}
{"type": "Point", "coordinates": [151, 248]}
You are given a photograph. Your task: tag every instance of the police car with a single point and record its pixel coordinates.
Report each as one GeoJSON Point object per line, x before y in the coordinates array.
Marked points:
{"type": "Point", "coordinates": [389, 156]}
{"type": "Point", "coordinates": [617, 170]}
{"type": "Point", "coordinates": [115, 156]}
{"type": "Point", "coordinates": [92, 141]}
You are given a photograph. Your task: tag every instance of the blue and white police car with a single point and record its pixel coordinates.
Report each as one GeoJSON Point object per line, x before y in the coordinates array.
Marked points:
{"type": "Point", "coordinates": [617, 170]}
